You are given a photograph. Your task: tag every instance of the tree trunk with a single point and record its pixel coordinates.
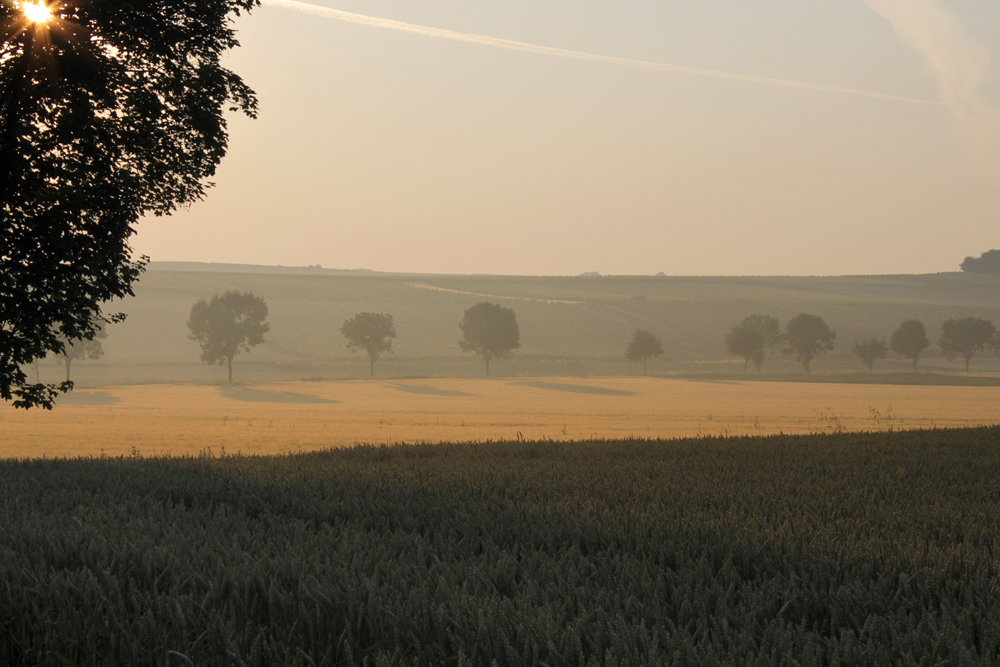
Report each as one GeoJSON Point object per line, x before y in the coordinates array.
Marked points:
{"type": "Point", "coordinates": [372, 361]}
{"type": "Point", "coordinates": [69, 366]}
{"type": "Point", "coordinates": [967, 360]}
{"type": "Point", "coordinates": [915, 364]}
{"type": "Point", "coordinates": [644, 365]}
{"type": "Point", "coordinates": [230, 363]}
{"type": "Point", "coordinates": [487, 366]}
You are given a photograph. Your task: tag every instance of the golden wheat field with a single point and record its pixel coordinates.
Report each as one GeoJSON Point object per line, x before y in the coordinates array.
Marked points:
{"type": "Point", "coordinates": [299, 416]}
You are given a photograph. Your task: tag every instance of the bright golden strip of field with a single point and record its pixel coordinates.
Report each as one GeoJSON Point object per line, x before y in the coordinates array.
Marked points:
{"type": "Point", "coordinates": [190, 419]}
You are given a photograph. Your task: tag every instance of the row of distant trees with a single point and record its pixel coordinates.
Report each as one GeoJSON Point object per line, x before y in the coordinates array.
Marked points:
{"type": "Point", "coordinates": [235, 321]}
{"type": "Point", "coordinates": [808, 336]}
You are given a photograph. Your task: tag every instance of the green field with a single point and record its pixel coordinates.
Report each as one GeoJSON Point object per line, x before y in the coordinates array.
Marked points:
{"type": "Point", "coordinates": [569, 325]}
{"type": "Point", "coordinates": [852, 549]}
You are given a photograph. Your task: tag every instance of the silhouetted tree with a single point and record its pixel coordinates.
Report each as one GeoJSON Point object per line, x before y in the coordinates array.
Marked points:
{"type": "Point", "coordinates": [988, 262]}
{"type": "Point", "coordinates": [369, 332]}
{"type": "Point", "coordinates": [870, 351]}
{"type": "Point", "coordinates": [643, 346]}
{"type": "Point", "coordinates": [910, 340]}
{"type": "Point", "coordinates": [752, 337]}
{"type": "Point", "coordinates": [83, 349]}
{"type": "Point", "coordinates": [964, 337]}
{"type": "Point", "coordinates": [489, 330]}
{"type": "Point", "coordinates": [108, 112]}
{"type": "Point", "coordinates": [808, 336]}
{"type": "Point", "coordinates": [226, 324]}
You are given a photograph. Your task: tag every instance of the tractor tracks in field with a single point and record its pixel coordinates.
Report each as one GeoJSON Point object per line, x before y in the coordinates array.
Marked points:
{"type": "Point", "coordinates": [493, 296]}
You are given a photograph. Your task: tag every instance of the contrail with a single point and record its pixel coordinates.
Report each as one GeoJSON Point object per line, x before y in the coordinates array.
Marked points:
{"type": "Point", "coordinates": [959, 65]}
{"type": "Point", "coordinates": [440, 33]}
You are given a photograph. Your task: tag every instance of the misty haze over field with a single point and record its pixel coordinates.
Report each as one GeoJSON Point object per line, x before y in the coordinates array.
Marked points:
{"type": "Point", "coordinates": [568, 325]}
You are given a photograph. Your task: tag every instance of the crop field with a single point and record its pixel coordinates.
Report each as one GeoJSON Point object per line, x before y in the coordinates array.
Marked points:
{"type": "Point", "coordinates": [290, 417]}
{"type": "Point", "coordinates": [837, 549]}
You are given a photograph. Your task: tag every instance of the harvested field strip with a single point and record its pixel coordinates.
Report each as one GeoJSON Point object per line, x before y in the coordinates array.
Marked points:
{"type": "Point", "coordinates": [851, 549]}
{"type": "Point", "coordinates": [186, 419]}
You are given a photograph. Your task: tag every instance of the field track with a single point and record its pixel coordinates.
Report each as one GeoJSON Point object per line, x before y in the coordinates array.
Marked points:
{"type": "Point", "coordinates": [301, 416]}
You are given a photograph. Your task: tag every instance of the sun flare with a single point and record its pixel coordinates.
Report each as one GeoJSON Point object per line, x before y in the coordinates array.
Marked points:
{"type": "Point", "coordinates": [36, 12]}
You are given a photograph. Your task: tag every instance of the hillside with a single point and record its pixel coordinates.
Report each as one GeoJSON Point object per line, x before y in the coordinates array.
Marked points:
{"type": "Point", "coordinates": [568, 324]}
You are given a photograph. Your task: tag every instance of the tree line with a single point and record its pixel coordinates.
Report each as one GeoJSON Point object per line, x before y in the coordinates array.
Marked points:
{"type": "Point", "coordinates": [235, 321]}
{"type": "Point", "coordinates": [808, 336]}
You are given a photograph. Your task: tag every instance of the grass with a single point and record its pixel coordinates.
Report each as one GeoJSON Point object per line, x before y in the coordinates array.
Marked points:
{"type": "Point", "coordinates": [849, 549]}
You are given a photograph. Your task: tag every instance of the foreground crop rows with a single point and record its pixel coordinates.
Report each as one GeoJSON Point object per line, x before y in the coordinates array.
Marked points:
{"type": "Point", "coordinates": [851, 549]}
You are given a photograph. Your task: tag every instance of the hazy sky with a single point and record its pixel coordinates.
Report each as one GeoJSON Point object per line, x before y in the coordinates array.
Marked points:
{"type": "Point", "coordinates": [399, 151]}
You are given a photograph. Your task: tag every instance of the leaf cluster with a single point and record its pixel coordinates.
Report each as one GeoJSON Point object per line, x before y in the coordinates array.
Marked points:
{"type": "Point", "coordinates": [753, 337]}
{"type": "Point", "coordinates": [370, 332]}
{"type": "Point", "coordinates": [490, 331]}
{"type": "Point", "coordinates": [643, 346]}
{"type": "Point", "coordinates": [110, 111]}
{"type": "Point", "coordinates": [228, 323]}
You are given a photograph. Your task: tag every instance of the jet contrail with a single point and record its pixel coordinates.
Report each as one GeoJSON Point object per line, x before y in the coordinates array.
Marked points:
{"type": "Point", "coordinates": [440, 33]}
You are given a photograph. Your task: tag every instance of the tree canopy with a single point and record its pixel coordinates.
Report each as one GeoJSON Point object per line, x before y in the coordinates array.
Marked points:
{"type": "Point", "coordinates": [753, 337]}
{"type": "Point", "coordinates": [108, 111]}
{"type": "Point", "coordinates": [808, 336]}
{"type": "Point", "coordinates": [870, 351]}
{"type": "Point", "coordinates": [964, 337]}
{"type": "Point", "coordinates": [643, 346]}
{"type": "Point", "coordinates": [489, 330]}
{"type": "Point", "coordinates": [370, 332]}
{"type": "Point", "coordinates": [910, 340]}
{"type": "Point", "coordinates": [227, 324]}
{"type": "Point", "coordinates": [988, 262]}
{"type": "Point", "coordinates": [84, 349]}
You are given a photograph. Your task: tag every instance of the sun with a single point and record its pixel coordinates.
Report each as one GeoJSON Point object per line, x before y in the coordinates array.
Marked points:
{"type": "Point", "coordinates": [36, 12]}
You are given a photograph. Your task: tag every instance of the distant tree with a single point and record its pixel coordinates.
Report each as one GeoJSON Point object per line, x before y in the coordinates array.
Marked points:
{"type": "Point", "coordinates": [964, 337]}
{"type": "Point", "coordinates": [808, 336]}
{"type": "Point", "coordinates": [77, 350]}
{"type": "Point", "coordinates": [489, 330]}
{"type": "Point", "coordinates": [870, 351]}
{"type": "Point", "coordinates": [226, 324]}
{"type": "Point", "coordinates": [369, 332]}
{"type": "Point", "coordinates": [752, 337]}
{"type": "Point", "coordinates": [988, 262]}
{"type": "Point", "coordinates": [910, 340]}
{"type": "Point", "coordinates": [643, 346]}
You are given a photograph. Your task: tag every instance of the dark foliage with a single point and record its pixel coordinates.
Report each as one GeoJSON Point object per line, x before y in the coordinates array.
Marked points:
{"type": "Point", "coordinates": [110, 111]}
{"type": "Point", "coordinates": [753, 338]}
{"type": "Point", "coordinates": [988, 262]}
{"type": "Point", "coordinates": [808, 336]}
{"type": "Point", "coordinates": [369, 332]}
{"type": "Point", "coordinates": [489, 330]}
{"type": "Point", "coordinates": [910, 340]}
{"type": "Point", "coordinates": [870, 351]}
{"type": "Point", "coordinates": [226, 324]}
{"type": "Point", "coordinates": [854, 549]}
{"type": "Point", "coordinates": [643, 345]}
{"type": "Point", "coordinates": [964, 337]}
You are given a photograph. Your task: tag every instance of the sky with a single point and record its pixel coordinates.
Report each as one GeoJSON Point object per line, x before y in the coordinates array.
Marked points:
{"type": "Point", "coordinates": [548, 138]}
